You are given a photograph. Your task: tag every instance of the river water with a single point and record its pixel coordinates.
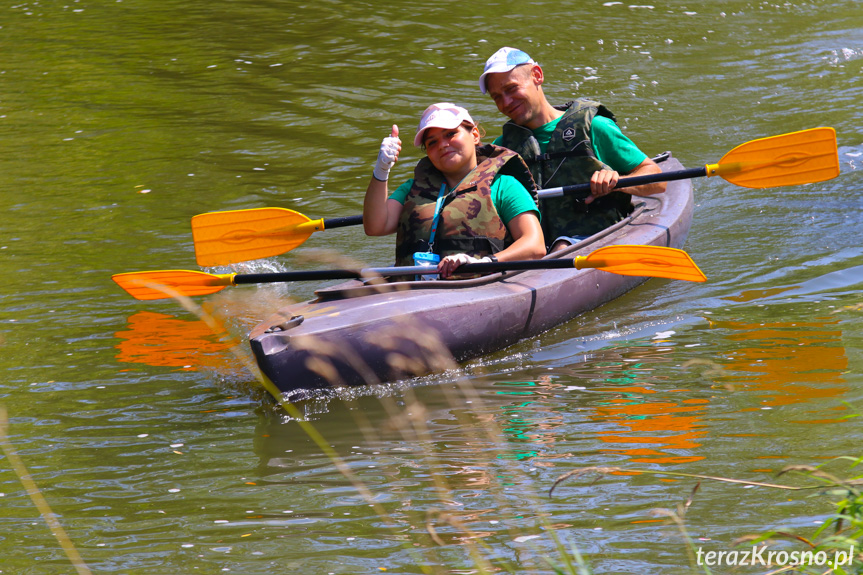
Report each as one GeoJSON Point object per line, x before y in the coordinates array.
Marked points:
{"type": "Point", "coordinates": [158, 451]}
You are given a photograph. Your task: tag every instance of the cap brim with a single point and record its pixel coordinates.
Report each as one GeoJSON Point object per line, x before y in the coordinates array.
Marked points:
{"type": "Point", "coordinates": [501, 68]}
{"type": "Point", "coordinates": [418, 139]}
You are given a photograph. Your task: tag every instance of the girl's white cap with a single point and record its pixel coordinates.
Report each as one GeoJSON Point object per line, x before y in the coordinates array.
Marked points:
{"type": "Point", "coordinates": [443, 115]}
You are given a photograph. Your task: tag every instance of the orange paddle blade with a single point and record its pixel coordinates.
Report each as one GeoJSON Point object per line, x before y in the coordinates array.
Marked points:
{"type": "Point", "coordinates": [651, 261]}
{"type": "Point", "coordinates": [164, 284]}
{"type": "Point", "coordinates": [223, 238]}
{"type": "Point", "coordinates": [787, 160]}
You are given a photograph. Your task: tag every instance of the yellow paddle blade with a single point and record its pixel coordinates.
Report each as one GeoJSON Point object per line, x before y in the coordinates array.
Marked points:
{"type": "Point", "coordinates": [223, 238]}
{"type": "Point", "coordinates": [650, 261]}
{"type": "Point", "coordinates": [787, 160]}
{"type": "Point", "coordinates": [164, 284]}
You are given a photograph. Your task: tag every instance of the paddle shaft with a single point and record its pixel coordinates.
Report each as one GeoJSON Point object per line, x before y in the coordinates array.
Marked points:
{"type": "Point", "coordinates": [342, 222]}
{"type": "Point", "coordinates": [345, 221]}
{"type": "Point", "coordinates": [340, 274]}
{"type": "Point", "coordinates": [631, 260]}
{"type": "Point", "coordinates": [628, 182]}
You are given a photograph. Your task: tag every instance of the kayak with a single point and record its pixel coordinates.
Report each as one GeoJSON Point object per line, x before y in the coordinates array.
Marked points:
{"type": "Point", "coordinates": [368, 332]}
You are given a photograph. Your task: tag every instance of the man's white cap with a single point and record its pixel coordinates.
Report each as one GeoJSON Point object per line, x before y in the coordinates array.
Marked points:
{"type": "Point", "coordinates": [443, 115]}
{"type": "Point", "coordinates": [503, 60]}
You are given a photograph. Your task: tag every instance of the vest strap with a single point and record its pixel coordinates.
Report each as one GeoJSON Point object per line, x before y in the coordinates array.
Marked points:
{"type": "Point", "coordinates": [557, 155]}
{"type": "Point", "coordinates": [437, 209]}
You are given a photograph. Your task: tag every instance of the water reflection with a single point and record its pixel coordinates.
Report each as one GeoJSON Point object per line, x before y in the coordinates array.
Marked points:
{"type": "Point", "coordinates": [762, 364]}
{"type": "Point", "coordinates": [164, 340]}
{"type": "Point", "coordinates": [652, 424]}
{"type": "Point", "coordinates": [786, 361]}
{"type": "Point", "coordinates": [530, 419]}
{"type": "Point", "coordinates": [648, 424]}
{"type": "Point", "coordinates": [653, 429]}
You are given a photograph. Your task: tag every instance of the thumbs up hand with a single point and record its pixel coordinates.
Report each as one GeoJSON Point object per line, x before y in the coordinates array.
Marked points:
{"type": "Point", "coordinates": [388, 156]}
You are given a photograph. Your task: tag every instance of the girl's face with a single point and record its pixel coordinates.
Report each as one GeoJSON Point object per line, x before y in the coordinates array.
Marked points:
{"type": "Point", "coordinates": [452, 150]}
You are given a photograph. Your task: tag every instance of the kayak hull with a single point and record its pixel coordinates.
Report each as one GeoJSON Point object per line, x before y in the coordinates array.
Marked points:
{"type": "Point", "coordinates": [356, 333]}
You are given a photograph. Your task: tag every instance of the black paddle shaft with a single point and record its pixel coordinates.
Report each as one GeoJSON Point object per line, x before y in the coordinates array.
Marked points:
{"type": "Point", "coordinates": [629, 182]}
{"type": "Point", "coordinates": [342, 222]}
{"type": "Point", "coordinates": [341, 274]}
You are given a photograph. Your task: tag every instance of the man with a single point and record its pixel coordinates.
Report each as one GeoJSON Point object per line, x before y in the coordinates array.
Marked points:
{"type": "Point", "coordinates": [571, 144]}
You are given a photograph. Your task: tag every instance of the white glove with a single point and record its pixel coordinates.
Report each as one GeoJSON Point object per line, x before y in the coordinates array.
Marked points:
{"type": "Point", "coordinates": [388, 156]}
{"type": "Point", "coordinates": [449, 264]}
{"type": "Point", "coordinates": [461, 259]}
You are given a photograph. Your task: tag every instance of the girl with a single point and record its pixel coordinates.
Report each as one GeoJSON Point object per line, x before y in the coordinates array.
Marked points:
{"type": "Point", "coordinates": [466, 202]}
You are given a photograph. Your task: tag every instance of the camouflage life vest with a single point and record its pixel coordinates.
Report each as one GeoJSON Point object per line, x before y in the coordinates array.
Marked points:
{"type": "Point", "coordinates": [569, 159]}
{"type": "Point", "coordinates": [469, 222]}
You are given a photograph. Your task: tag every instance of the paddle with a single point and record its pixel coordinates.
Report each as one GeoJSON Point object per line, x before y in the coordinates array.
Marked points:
{"type": "Point", "coordinates": [628, 260]}
{"type": "Point", "coordinates": [809, 156]}
{"type": "Point", "coordinates": [790, 159]}
{"type": "Point", "coordinates": [223, 238]}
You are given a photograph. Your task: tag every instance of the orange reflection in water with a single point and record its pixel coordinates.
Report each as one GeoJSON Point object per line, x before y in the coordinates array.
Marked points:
{"type": "Point", "coordinates": [791, 362]}
{"type": "Point", "coordinates": [647, 426]}
{"type": "Point", "coordinates": [653, 429]}
{"type": "Point", "coordinates": [163, 340]}
{"type": "Point", "coordinates": [787, 362]}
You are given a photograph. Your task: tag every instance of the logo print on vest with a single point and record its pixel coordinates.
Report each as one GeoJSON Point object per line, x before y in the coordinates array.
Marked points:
{"type": "Point", "coordinates": [568, 134]}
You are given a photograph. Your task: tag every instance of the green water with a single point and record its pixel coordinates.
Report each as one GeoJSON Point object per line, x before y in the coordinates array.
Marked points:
{"type": "Point", "coordinates": [159, 453]}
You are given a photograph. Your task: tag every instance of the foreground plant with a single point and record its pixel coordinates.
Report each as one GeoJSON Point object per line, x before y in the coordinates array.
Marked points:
{"type": "Point", "coordinates": [38, 499]}
{"type": "Point", "coordinates": [837, 545]}
{"type": "Point", "coordinates": [444, 528]}
{"type": "Point", "coordinates": [840, 537]}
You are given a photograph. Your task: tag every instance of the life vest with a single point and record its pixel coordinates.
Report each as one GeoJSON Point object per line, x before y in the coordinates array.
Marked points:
{"type": "Point", "coordinates": [469, 222]}
{"type": "Point", "coordinates": [569, 159]}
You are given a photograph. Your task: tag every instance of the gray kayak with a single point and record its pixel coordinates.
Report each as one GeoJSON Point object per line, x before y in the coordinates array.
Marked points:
{"type": "Point", "coordinates": [374, 332]}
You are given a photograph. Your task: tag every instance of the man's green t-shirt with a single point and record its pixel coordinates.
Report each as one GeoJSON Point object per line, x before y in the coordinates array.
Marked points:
{"type": "Point", "coordinates": [508, 195]}
{"type": "Point", "coordinates": [612, 147]}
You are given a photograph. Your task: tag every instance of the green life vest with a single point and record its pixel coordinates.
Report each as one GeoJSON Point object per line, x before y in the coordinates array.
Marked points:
{"type": "Point", "coordinates": [569, 159]}
{"type": "Point", "coordinates": [469, 222]}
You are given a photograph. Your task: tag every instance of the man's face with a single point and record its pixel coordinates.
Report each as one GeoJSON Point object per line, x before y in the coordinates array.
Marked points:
{"type": "Point", "coordinates": [517, 93]}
